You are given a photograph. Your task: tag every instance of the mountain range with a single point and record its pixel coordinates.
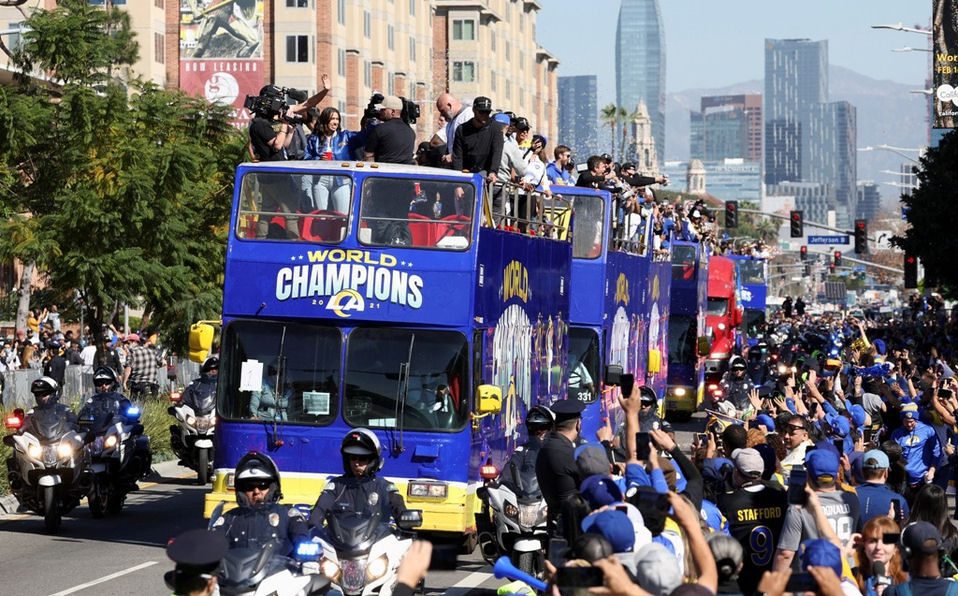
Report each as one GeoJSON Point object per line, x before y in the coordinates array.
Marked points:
{"type": "Point", "coordinates": [887, 114]}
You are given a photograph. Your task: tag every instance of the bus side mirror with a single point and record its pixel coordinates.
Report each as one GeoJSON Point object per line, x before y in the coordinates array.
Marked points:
{"type": "Point", "coordinates": [488, 399]}
{"type": "Point", "coordinates": [703, 346]}
{"type": "Point", "coordinates": [655, 361]}
{"type": "Point", "coordinates": [613, 375]}
{"type": "Point", "coordinates": [201, 341]}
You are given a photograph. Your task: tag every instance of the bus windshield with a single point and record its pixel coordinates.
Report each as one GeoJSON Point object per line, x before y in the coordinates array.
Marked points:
{"type": "Point", "coordinates": [754, 321]}
{"type": "Point", "coordinates": [297, 206]}
{"type": "Point", "coordinates": [420, 375]}
{"type": "Point", "coordinates": [583, 363]}
{"type": "Point", "coordinates": [589, 226]}
{"type": "Point", "coordinates": [683, 261]}
{"type": "Point", "coordinates": [751, 271]}
{"type": "Point", "coordinates": [426, 213]}
{"type": "Point", "coordinates": [682, 336]}
{"type": "Point", "coordinates": [716, 306]}
{"type": "Point", "coordinates": [278, 372]}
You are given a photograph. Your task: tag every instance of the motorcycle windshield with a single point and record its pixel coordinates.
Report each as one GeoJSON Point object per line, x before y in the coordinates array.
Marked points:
{"type": "Point", "coordinates": [352, 531]}
{"type": "Point", "coordinates": [528, 485]}
{"type": "Point", "coordinates": [49, 424]}
{"type": "Point", "coordinates": [98, 415]}
{"type": "Point", "coordinates": [203, 403]}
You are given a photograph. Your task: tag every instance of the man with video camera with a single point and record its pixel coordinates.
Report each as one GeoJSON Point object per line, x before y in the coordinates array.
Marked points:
{"type": "Point", "coordinates": [270, 132]}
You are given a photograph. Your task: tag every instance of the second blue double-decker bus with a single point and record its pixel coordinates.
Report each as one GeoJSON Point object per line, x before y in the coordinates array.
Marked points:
{"type": "Point", "coordinates": [752, 293]}
{"type": "Point", "coordinates": [686, 369]}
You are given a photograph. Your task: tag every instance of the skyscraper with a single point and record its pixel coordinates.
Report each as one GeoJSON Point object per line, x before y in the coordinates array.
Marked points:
{"type": "Point", "coordinates": [796, 81]}
{"type": "Point", "coordinates": [833, 153]}
{"type": "Point", "coordinates": [727, 127]}
{"type": "Point", "coordinates": [579, 115]}
{"type": "Point", "coordinates": [640, 63]}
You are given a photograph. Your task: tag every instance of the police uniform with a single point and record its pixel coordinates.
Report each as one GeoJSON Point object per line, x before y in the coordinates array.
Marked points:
{"type": "Point", "coordinates": [257, 526]}
{"type": "Point", "coordinates": [356, 494]}
{"type": "Point", "coordinates": [197, 554]}
{"type": "Point", "coordinates": [556, 470]}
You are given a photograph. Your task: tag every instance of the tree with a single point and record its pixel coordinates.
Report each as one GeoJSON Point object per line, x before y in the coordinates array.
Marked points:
{"type": "Point", "coordinates": [931, 213]}
{"type": "Point", "coordinates": [610, 118]}
{"type": "Point", "coordinates": [122, 197]}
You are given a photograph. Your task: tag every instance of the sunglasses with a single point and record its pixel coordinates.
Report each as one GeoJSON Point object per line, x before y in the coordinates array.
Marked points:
{"type": "Point", "coordinates": [647, 404]}
{"type": "Point", "coordinates": [794, 429]}
{"type": "Point", "coordinates": [360, 458]}
{"type": "Point", "coordinates": [254, 485]}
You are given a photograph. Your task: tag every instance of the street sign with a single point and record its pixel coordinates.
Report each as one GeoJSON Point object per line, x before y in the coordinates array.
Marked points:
{"type": "Point", "coordinates": [835, 291]}
{"type": "Point", "coordinates": [827, 240]}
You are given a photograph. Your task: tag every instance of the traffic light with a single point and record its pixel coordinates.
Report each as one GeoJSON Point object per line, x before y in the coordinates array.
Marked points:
{"type": "Point", "coordinates": [861, 236]}
{"type": "Point", "coordinates": [911, 271]}
{"type": "Point", "coordinates": [797, 224]}
{"type": "Point", "coordinates": [731, 214]}
{"type": "Point", "coordinates": [803, 252]}
{"type": "Point", "coordinates": [838, 258]}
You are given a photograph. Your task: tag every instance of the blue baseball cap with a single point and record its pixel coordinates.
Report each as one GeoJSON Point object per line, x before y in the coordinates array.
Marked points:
{"type": "Point", "coordinates": [839, 425]}
{"type": "Point", "coordinates": [822, 462]}
{"type": "Point", "coordinates": [879, 346]}
{"type": "Point", "coordinates": [615, 526]}
{"type": "Point", "coordinates": [909, 411]}
{"type": "Point", "coordinates": [600, 491]}
{"type": "Point", "coordinates": [502, 118]}
{"type": "Point", "coordinates": [875, 459]}
{"type": "Point", "coordinates": [766, 420]}
{"type": "Point", "coordinates": [821, 553]}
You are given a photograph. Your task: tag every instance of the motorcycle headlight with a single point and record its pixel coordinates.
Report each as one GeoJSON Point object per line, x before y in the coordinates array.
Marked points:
{"type": "Point", "coordinates": [511, 511]}
{"type": "Point", "coordinates": [64, 450]}
{"type": "Point", "coordinates": [330, 569]}
{"type": "Point", "coordinates": [377, 568]}
{"type": "Point", "coordinates": [34, 451]}
{"type": "Point", "coordinates": [191, 420]}
{"type": "Point", "coordinates": [679, 392]}
{"type": "Point", "coordinates": [528, 515]}
{"type": "Point", "coordinates": [110, 442]}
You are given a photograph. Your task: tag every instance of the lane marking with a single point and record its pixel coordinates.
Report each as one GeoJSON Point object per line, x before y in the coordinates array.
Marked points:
{"type": "Point", "coordinates": [105, 578]}
{"type": "Point", "coordinates": [473, 580]}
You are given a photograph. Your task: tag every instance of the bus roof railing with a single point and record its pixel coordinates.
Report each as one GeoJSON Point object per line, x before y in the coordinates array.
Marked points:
{"type": "Point", "coordinates": [513, 208]}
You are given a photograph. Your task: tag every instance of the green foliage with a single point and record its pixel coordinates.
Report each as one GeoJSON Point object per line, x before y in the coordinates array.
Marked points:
{"type": "Point", "coordinates": [932, 211]}
{"type": "Point", "coordinates": [121, 192]}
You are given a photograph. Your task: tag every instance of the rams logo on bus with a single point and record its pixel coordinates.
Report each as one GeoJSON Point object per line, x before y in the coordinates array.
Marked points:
{"type": "Point", "coordinates": [345, 301]}
{"type": "Point", "coordinates": [622, 290]}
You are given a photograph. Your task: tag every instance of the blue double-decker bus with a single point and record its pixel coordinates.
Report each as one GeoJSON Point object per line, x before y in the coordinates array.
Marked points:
{"type": "Point", "coordinates": [752, 293]}
{"type": "Point", "coordinates": [381, 296]}
{"type": "Point", "coordinates": [619, 308]}
{"type": "Point", "coordinates": [686, 331]}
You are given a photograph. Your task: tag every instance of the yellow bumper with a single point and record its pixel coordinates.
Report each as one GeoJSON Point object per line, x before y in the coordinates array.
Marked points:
{"type": "Point", "coordinates": [454, 513]}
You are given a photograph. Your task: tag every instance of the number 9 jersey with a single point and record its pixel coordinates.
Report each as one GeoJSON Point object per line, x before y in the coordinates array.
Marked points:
{"type": "Point", "coordinates": [755, 514]}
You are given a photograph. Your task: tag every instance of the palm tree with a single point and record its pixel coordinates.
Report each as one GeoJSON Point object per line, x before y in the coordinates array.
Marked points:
{"type": "Point", "coordinates": [626, 133]}
{"type": "Point", "coordinates": [610, 118]}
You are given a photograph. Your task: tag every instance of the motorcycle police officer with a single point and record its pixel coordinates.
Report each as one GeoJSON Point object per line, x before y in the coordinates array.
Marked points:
{"type": "Point", "coordinates": [358, 486]}
{"type": "Point", "coordinates": [106, 402]}
{"type": "Point", "coordinates": [260, 519]}
{"type": "Point", "coordinates": [46, 393]}
{"type": "Point", "coordinates": [199, 393]}
{"type": "Point", "coordinates": [736, 385]}
{"type": "Point", "coordinates": [540, 421]}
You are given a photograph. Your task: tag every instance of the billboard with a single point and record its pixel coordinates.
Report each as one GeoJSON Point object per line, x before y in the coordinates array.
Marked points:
{"type": "Point", "coordinates": [221, 51]}
{"type": "Point", "coordinates": [945, 52]}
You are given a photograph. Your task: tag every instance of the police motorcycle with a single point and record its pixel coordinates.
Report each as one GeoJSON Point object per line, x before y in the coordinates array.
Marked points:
{"type": "Point", "coordinates": [195, 411]}
{"type": "Point", "coordinates": [48, 470]}
{"type": "Point", "coordinates": [513, 519]}
{"type": "Point", "coordinates": [270, 549]}
{"type": "Point", "coordinates": [362, 549]}
{"type": "Point", "coordinates": [119, 452]}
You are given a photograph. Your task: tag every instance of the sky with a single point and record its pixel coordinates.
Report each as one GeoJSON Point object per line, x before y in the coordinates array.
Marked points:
{"type": "Point", "coordinates": [713, 43]}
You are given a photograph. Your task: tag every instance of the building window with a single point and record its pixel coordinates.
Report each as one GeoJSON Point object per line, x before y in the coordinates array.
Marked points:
{"type": "Point", "coordinates": [508, 90]}
{"type": "Point", "coordinates": [412, 7]}
{"type": "Point", "coordinates": [367, 24]}
{"type": "Point", "coordinates": [391, 37]}
{"type": "Point", "coordinates": [297, 48]}
{"type": "Point", "coordinates": [492, 78]}
{"type": "Point", "coordinates": [15, 41]}
{"type": "Point", "coordinates": [412, 49]}
{"type": "Point", "coordinates": [368, 73]}
{"type": "Point", "coordinates": [341, 62]}
{"type": "Point", "coordinates": [341, 11]}
{"type": "Point", "coordinates": [342, 108]}
{"type": "Point", "coordinates": [464, 30]}
{"type": "Point", "coordinates": [159, 48]}
{"type": "Point", "coordinates": [508, 51]}
{"type": "Point", "coordinates": [297, 3]}
{"type": "Point", "coordinates": [492, 40]}
{"type": "Point", "coordinates": [158, 3]}
{"type": "Point", "coordinates": [390, 84]}
{"type": "Point", "coordinates": [464, 72]}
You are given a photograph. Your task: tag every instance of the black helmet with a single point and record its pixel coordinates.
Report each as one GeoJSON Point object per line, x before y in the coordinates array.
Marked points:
{"type": "Point", "coordinates": [646, 393]}
{"type": "Point", "coordinates": [256, 467]}
{"type": "Point", "coordinates": [105, 375]}
{"type": "Point", "coordinates": [736, 363]}
{"type": "Point", "coordinates": [363, 442]}
{"type": "Point", "coordinates": [43, 388]}
{"type": "Point", "coordinates": [540, 418]}
{"type": "Point", "coordinates": [209, 364]}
